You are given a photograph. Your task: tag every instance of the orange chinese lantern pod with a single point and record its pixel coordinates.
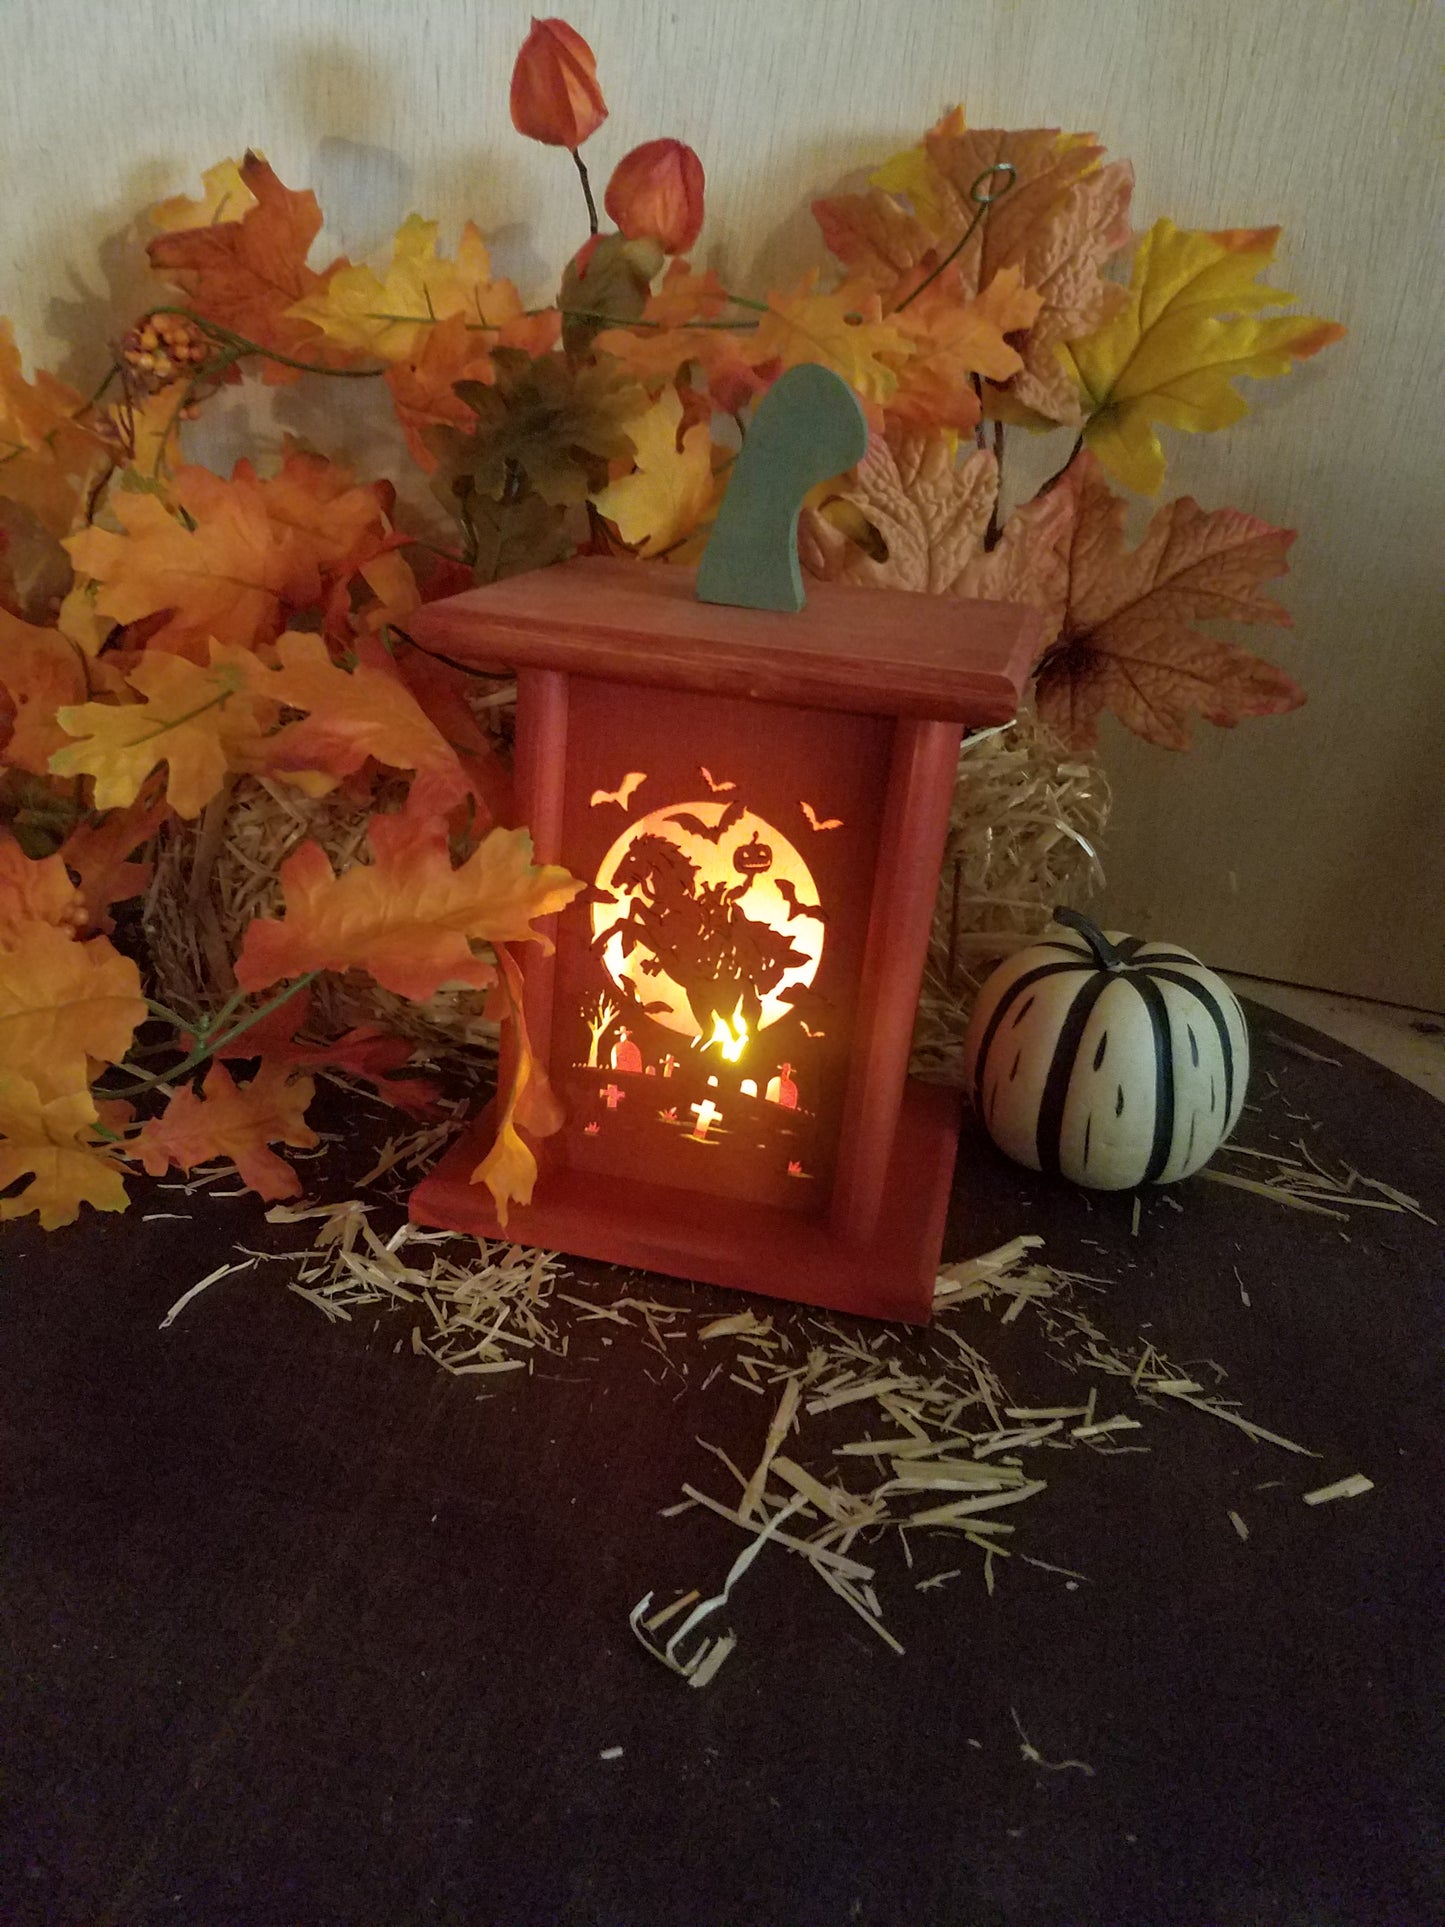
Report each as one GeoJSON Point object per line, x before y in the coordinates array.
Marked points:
{"type": "Point", "coordinates": [656, 192]}
{"type": "Point", "coordinates": [555, 95]}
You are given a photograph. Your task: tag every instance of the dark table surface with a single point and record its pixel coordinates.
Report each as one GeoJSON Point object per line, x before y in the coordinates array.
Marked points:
{"type": "Point", "coordinates": [296, 1628]}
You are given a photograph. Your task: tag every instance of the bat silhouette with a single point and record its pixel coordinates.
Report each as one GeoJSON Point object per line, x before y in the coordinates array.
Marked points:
{"type": "Point", "coordinates": [830, 823]}
{"type": "Point", "coordinates": [711, 833]}
{"type": "Point", "coordinates": [622, 795]}
{"type": "Point", "coordinates": [788, 892]}
{"type": "Point", "coordinates": [712, 782]}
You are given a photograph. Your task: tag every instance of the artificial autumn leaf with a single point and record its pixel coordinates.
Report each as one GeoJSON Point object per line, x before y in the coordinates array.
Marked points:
{"type": "Point", "coordinates": [671, 490]}
{"type": "Point", "coordinates": [509, 1170]}
{"type": "Point", "coordinates": [606, 281]}
{"type": "Point", "coordinates": [49, 460]}
{"type": "Point", "coordinates": [201, 723]}
{"type": "Point", "coordinates": [236, 1122]}
{"type": "Point", "coordinates": [930, 511]}
{"type": "Point", "coordinates": [423, 388]}
{"type": "Point", "coordinates": [367, 1052]}
{"type": "Point", "coordinates": [673, 333]}
{"type": "Point", "coordinates": [254, 550]}
{"type": "Point", "coordinates": [441, 689]}
{"type": "Point", "coordinates": [548, 421]}
{"type": "Point", "coordinates": [248, 275]}
{"type": "Point", "coordinates": [1059, 223]}
{"type": "Point", "coordinates": [1170, 355]}
{"type": "Point", "coordinates": [1121, 630]}
{"type": "Point", "coordinates": [408, 917]}
{"type": "Point", "coordinates": [353, 715]}
{"type": "Point", "coordinates": [954, 341]}
{"type": "Point", "coordinates": [842, 330]}
{"type": "Point", "coordinates": [51, 1141]}
{"type": "Point", "coordinates": [35, 890]}
{"type": "Point", "coordinates": [40, 672]}
{"type": "Point", "coordinates": [62, 1002]}
{"type": "Point", "coordinates": [226, 197]}
{"type": "Point", "coordinates": [98, 855]}
{"type": "Point", "coordinates": [512, 537]}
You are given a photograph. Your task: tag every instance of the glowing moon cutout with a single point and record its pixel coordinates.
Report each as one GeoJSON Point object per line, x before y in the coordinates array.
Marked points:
{"type": "Point", "coordinates": [715, 868]}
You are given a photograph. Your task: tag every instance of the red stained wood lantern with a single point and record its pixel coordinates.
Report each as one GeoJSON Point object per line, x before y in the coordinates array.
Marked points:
{"type": "Point", "coordinates": [757, 800]}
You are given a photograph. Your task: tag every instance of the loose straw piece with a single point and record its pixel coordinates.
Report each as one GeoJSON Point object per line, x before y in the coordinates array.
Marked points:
{"type": "Point", "coordinates": [1354, 1487]}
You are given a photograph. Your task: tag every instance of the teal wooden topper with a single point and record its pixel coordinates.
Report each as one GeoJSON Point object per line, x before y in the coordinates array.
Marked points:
{"type": "Point", "coordinates": [809, 426]}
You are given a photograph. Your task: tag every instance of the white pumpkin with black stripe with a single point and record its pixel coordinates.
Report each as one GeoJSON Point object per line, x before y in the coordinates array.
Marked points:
{"type": "Point", "coordinates": [1114, 1061]}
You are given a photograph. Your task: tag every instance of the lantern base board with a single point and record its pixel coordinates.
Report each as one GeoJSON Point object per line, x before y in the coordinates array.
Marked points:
{"type": "Point", "coordinates": [725, 1241]}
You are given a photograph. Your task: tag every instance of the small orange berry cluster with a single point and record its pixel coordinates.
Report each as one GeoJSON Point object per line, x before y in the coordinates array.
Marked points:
{"type": "Point", "coordinates": [161, 349]}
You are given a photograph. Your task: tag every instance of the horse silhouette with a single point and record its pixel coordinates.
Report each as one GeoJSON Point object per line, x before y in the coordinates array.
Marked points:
{"type": "Point", "coordinates": [723, 960]}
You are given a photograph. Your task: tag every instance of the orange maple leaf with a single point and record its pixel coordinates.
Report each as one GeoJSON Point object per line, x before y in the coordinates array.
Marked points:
{"type": "Point", "coordinates": [98, 855]}
{"type": "Point", "coordinates": [408, 917]}
{"type": "Point", "coordinates": [423, 386]}
{"type": "Point", "coordinates": [40, 672]}
{"type": "Point", "coordinates": [236, 1122]}
{"type": "Point", "coordinates": [201, 723]}
{"type": "Point", "coordinates": [1121, 623]}
{"type": "Point", "coordinates": [843, 329]}
{"type": "Point", "coordinates": [62, 1003]}
{"type": "Point", "coordinates": [51, 1141]}
{"type": "Point", "coordinates": [247, 275]}
{"type": "Point", "coordinates": [35, 890]}
{"type": "Point", "coordinates": [356, 714]}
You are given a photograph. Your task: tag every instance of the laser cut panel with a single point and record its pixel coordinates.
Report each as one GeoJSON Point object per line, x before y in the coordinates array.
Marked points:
{"type": "Point", "coordinates": [706, 980]}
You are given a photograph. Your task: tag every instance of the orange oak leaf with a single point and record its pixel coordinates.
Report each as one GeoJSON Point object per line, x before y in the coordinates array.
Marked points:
{"type": "Point", "coordinates": [99, 856]}
{"type": "Point", "coordinates": [509, 1170]}
{"type": "Point", "coordinates": [668, 338]}
{"type": "Point", "coordinates": [63, 1002]}
{"type": "Point", "coordinates": [248, 275]}
{"type": "Point", "coordinates": [201, 723]}
{"type": "Point", "coordinates": [423, 386]}
{"type": "Point", "coordinates": [35, 890]}
{"type": "Point", "coordinates": [352, 715]}
{"type": "Point", "coordinates": [338, 519]}
{"type": "Point", "coordinates": [1122, 630]}
{"type": "Point", "coordinates": [40, 672]}
{"type": "Point", "coordinates": [230, 575]}
{"type": "Point", "coordinates": [226, 197]}
{"type": "Point", "coordinates": [407, 917]}
{"type": "Point", "coordinates": [955, 341]}
{"type": "Point", "coordinates": [51, 1141]}
{"type": "Point", "coordinates": [442, 691]}
{"type": "Point", "coordinates": [843, 330]}
{"type": "Point", "coordinates": [48, 457]}
{"type": "Point", "coordinates": [235, 1121]}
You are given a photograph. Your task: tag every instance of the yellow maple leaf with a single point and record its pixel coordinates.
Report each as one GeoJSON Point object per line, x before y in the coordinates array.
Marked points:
{"type": "Point", "coordinates": [1187, 332]}
{"type": "Point", "coordinates": [671, 490]}
{"type": "Point", "coordinates": [51, 1141]}
{"type": "Point", "coordinates": [62, 1003]}
{"type": "Point", "coordinates": [226, 197]}
{"type": "Point", "coordinates": [200, 722]}
{"type": "Point", "coordinates": [842, 331]}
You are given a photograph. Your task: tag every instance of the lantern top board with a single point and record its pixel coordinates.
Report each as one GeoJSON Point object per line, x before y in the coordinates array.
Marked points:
{"type": "Point", "coordinates": [757, 803]}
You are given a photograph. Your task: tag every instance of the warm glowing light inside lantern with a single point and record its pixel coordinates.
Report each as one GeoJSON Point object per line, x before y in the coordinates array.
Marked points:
{"type": "Point", "coordinates": [730, 1038]}
{"type": "Point", "coordinates": [675, 878]}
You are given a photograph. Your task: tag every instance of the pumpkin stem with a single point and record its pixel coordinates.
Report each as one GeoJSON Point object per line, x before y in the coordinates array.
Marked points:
{"type": "Point", "coordinates": [1106, 956]}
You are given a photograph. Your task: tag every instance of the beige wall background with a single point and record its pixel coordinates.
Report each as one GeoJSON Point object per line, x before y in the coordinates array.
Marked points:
{"type": "Point", "coordinates": [1309, 848]}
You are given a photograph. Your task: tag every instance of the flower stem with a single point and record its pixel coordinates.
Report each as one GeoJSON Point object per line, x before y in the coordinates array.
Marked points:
{"type": "Point", "coordinates": [209, 1044]}
{"type": "Point", "coordinates": [586, 189]}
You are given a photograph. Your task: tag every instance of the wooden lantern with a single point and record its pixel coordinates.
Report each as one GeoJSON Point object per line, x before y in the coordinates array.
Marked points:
{"type": "Point", "coordinates": [758, 803]}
